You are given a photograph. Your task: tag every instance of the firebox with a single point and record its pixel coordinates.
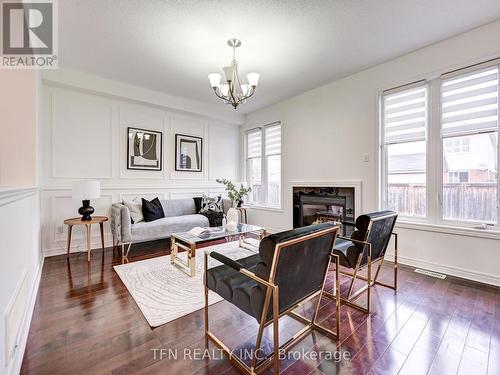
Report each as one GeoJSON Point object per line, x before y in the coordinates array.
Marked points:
{"type": "Point", "coordinates": [318, 204]}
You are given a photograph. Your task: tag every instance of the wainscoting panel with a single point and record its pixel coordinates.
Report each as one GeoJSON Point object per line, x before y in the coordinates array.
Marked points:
{"type": "Point", "coordinates": [84, 136]}
{"type": "Point", "coordinates": [142, 118]}
{"type": "Point", "coordinates": [81, 132]}
{"type": "Point", "coordinates": [192, 127]}
{"type": "Point", "coordinates": [224, 146]}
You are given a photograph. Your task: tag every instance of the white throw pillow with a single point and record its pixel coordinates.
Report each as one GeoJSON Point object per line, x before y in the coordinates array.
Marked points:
{"type": "Point", "coordinates": [135, 208]}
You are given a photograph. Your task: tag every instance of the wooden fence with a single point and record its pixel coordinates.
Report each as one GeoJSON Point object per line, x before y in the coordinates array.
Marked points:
{"type": "Point", "coordinates": [461, 201]}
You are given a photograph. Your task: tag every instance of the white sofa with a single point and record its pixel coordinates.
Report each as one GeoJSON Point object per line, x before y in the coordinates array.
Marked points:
{"type": "Point", "coordinates": [180, 216]}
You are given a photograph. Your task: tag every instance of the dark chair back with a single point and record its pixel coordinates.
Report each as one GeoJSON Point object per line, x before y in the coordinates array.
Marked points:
{"type": "Point", "coordinates": [297, 261]}
{"type": "Point", "coordinates": [380, 231]}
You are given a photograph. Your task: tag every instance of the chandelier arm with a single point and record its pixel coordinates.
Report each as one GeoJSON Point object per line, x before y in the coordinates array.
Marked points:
{"type": "Point", "coordinates": [247, 96]}
{"type": "Point", "coordinates": [231, 91]}
{"type": "Point", "coordinates": [219, 95]}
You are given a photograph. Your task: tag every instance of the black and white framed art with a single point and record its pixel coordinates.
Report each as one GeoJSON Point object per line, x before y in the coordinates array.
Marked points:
{"type": "Point", "coordinates": [144, 149]}
{"type": "Point", "coordinates": [188, 153]}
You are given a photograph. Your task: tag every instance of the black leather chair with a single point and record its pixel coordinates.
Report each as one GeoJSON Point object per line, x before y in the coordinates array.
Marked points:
{"type": "Point", "coordinates": [290, 268]}
{"type": "Point", "coordinates": [366, 246]}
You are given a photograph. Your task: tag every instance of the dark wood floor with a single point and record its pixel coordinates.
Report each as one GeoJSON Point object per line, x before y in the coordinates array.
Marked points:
{"type": "Point", "coordinates": [86, 322]}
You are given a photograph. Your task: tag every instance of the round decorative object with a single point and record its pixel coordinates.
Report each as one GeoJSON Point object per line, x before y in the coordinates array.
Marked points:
{"type": "Point", "coordinates": [233, 215]}
{"type": "Point", "coordinates": [86, 210]}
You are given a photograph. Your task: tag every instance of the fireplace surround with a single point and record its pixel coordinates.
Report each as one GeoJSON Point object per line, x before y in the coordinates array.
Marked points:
{"type": "Point", "coordinates": [318, 203]}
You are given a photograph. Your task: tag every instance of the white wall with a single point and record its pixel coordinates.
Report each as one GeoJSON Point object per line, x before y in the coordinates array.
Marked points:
{"type": "Point", "coordinates": [18, 128]}
{"type": "Point", "coordinates": [84, 135]}
{"type": "Point", "coordinates": [20, 256]}
{"type": "Point", "coordinates": [327, 131]}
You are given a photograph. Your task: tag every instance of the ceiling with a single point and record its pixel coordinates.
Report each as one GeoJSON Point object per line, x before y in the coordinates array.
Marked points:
{"type": "Point", "coordinates": [171, 46]}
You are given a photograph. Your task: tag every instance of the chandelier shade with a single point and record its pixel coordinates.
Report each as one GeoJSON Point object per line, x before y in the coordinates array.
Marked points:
{"type": "Point", "coordinates": [228, 86]}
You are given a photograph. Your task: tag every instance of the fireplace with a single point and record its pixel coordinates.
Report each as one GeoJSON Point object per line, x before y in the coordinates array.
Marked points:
{"type": "Point", "coordinates": [318, 204]}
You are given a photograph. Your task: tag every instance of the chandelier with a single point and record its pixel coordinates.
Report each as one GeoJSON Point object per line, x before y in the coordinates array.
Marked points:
{"type": "Point", "coordinates": [232, 91]}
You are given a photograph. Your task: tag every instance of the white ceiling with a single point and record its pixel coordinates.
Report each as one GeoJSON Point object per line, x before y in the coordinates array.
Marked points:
{"type": "Point", "coordinates": [171, 46]}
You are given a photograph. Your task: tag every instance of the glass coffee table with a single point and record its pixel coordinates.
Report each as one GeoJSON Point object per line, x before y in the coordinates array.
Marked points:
{"type": "Point", "coordinates": [190, 243]}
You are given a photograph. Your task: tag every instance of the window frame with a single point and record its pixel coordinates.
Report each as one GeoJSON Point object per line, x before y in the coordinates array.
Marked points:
{"type": "Point", "coordinates": [383, 155]}
{"type": "Point", "coordinates": [435, 153]}
{"type": "Point", "coordinates": [264, 170]}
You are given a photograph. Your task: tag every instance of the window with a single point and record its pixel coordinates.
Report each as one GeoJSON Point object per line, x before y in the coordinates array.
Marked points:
{"type": "Point", "coordinates": [254, 163]}
{"type": "Point", "coordinates": [404, 112]}
{"type": "Point", "coordinates": [454, 177]}
{"type": "Point", "coordinates": [263, 165]}
{"type": "Point", "coordinates": [469, 123]}
{"type": "Point", "coordinates": [457, 145]}
{"type": "Point", "coordinates": [442, 168]}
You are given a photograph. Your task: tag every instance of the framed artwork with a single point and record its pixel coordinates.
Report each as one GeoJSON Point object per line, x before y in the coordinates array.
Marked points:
{"type": "Point", "coordinates": [188, 153]}
{"type": "Point", "coordinates": [144, 149]}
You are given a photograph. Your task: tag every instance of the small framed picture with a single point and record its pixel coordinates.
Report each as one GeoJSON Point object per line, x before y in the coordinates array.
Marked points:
{"type": "Point", "coordinates": [188, 153]}
{"type": "Point", "coordinates": [144, 149]}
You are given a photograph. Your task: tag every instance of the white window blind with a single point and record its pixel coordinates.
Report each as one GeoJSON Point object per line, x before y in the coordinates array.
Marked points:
{"type": "Point", "coordinates": [470, 103]}
{"type": "Point", "coordinates": [263, 165]}
{"type": "Point", "coordinates": [405, 114]}
{"type": "Point", "coordinates": [254, 143]}
{"type": "Point", "coordinates": [273, 140]}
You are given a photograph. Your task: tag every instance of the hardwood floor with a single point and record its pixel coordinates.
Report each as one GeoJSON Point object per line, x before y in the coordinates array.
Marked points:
{"type": "Point", "coordinates": [86, 322]}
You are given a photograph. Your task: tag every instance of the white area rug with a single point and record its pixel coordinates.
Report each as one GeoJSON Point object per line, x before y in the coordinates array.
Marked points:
{"type": "Point", "coordinates": [163, 292]}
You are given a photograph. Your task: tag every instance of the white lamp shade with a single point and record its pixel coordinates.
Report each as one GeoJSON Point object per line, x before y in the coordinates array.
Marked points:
{"type": "Point", "coordinates": [214, 79]}
{"type": "Point", "coordinates": [253, 79]}
{"type": "Point", "coordinates": [245, 89]}
{"type": "Point", "coordinates": [87, 189]}
{"type": "Point", "coordinates": [228, 72]}
{"type": "Point", "coordinates": [224, 89]}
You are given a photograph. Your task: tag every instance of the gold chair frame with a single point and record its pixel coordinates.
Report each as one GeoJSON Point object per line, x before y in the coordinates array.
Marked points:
{"type": "Point", "coordinates": [352, 297]}
{"type": "Point", "coordinates": [273, 292]}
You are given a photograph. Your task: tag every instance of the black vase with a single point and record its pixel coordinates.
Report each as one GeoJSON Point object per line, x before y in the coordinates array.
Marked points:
{"type": "Point", "coordinates": [240, 202]}
{"type": "Point", "coordinates": [86, 210]}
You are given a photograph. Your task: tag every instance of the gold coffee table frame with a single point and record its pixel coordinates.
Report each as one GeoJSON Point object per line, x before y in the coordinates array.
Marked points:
{"type": "Point", "coordinates": [191, 243]}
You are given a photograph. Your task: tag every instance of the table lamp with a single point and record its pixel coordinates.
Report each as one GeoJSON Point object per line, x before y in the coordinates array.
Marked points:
{"type": "Point", "coordinates": [86, 190]}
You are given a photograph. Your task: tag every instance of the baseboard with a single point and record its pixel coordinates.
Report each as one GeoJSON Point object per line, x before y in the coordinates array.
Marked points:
{"type": "Point", "coordinates": [15, 366]}
{"type": "Point", "coordinates": [481, 277]}
{"type": "Point", "coordinates": [77, 247]}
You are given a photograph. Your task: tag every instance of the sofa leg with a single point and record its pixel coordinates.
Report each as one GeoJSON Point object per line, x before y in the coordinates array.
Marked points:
{"type": "Point", "coordinates": [125, 253]}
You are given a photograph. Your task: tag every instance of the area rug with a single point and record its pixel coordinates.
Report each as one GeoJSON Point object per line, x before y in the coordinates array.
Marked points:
{"type": "Point", "coordinates": [163, 292]}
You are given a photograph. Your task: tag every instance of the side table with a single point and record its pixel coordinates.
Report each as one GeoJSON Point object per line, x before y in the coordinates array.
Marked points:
{"type": "Point", "coordinates": [88, 224]}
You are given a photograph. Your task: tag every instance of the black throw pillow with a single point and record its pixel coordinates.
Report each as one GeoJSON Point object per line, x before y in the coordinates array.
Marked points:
{"type": "Point", "coordinates": [197, 203]}
{"type": "Point", "coordinates": [152, 210]}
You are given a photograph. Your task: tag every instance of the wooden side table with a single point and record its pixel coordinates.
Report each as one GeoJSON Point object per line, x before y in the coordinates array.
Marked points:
{"type": "Point", "coordinates": [88, 224]}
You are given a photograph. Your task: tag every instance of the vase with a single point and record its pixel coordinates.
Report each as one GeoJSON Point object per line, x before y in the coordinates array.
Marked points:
{"type": "Point", "coordinates": [233, 215]}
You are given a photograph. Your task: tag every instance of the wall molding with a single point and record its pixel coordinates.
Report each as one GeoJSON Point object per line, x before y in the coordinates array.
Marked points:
{"type": "Point", "coordinates": [11, 195]}
{"type": "Point", "coordinates": [481, 277]}
{"type": "Point", "coordinates": [185, 184]}
{"type": "Point", "coordinates": [106, 88]}
{"type": "Point", "coordinates": [80, 247]}
{"type": "Point", "coordinates": [15, 366]}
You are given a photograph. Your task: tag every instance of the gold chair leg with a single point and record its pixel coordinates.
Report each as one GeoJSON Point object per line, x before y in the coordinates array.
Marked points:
{"type": "Point", "coordinates": [261, 328]}
{"type": "Point", "coordinates": [368, 297]}
{"type": "Point", "coordinates": [337, 293]}
{"type": "Point", "coordinates": [395, 260]}
{"type": "Point", "coordinates": [206, 302]}
{"type": "Point", "coordinates": [276, 331]}
{"type": "Point", "coordinates": [358, 263]}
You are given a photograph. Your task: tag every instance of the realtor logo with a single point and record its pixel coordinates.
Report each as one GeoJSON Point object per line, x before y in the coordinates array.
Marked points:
{"type": "Point", "coordinates": [29, 34]}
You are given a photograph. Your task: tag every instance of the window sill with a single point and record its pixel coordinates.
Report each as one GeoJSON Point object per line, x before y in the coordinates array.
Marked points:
{"type": "Point", "coordinates": [263, 208]}
{"type": "Point", "coordinates": [447, 229]}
